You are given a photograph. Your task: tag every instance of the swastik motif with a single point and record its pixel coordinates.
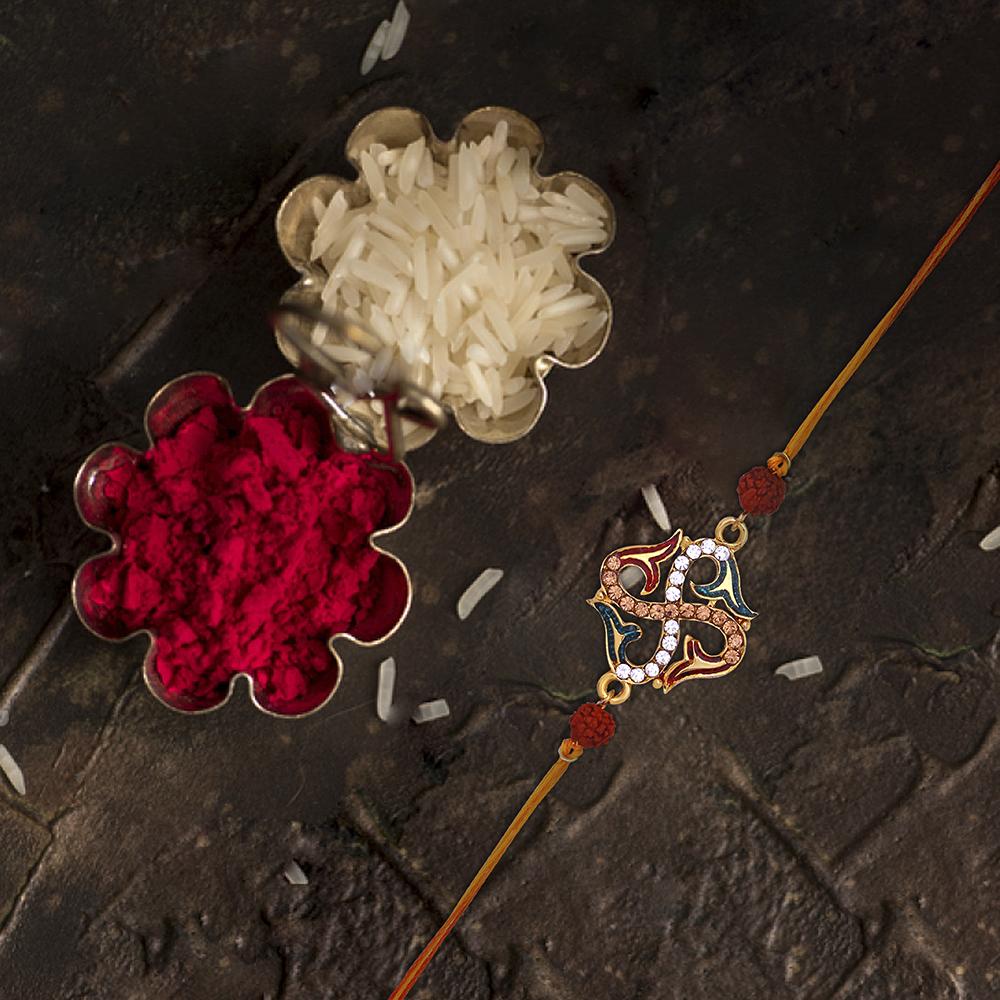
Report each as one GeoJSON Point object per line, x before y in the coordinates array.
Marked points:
{"type": "Point", "coordinates": [677, 658]}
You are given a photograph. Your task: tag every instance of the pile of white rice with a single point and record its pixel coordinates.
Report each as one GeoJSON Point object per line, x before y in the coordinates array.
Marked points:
{"type": "Point", "coordinates": [463, 270]}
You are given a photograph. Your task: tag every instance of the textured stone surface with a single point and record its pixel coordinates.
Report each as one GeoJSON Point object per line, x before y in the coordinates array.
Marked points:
{"type": "Point", "coordinates": [779, 170]}
{"type": "Point", "coordinates": [24, 842]}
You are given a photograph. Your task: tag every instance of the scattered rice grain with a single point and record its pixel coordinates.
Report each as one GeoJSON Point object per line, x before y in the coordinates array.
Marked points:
{"type": "Point", "coordinates": [10, 767]}
{"type": "Point", "coordinates": [431, 710]}
{"type": "Point", "coordinates": [991, 541]}
{"type": "Point", "coordinates": [477, 590]}
{"type": "Point", "coordinates": [654, 503]}
{"type": "Point", "coordinates": [795, 670]}
{"type": "Point", "coordinates": [386, 685]}
{"type": "Point", "coordinates": [375, 48]}
{"type": "Point", "coordinates": [397, 31]}
{"type": "Point", "coordinates": [294, 874]}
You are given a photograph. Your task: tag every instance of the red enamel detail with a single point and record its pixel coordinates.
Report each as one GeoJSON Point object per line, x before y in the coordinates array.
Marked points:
{"type": "Point", "coordinates": [649, 557]}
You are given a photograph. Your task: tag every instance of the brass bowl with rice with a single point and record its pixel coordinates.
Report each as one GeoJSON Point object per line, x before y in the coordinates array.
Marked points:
{"type": "Point", "coordinates": [461, 257]}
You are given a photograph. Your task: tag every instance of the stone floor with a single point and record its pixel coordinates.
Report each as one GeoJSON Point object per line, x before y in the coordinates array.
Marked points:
{"type": "Point", "coordinates": [779, 171]}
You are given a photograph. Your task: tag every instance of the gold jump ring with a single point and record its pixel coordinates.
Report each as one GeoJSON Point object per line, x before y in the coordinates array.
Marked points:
{"type": "Point", "coordinates": [732, 524]}
{"type": "Point", "coordinates": [604, 689]}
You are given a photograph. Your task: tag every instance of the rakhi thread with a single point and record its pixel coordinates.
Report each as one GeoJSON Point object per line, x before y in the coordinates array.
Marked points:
{"type": "Point", "coordinates": [760, 491]}
{"type": "Point", "coordinates": [781, 461]}
{"type": "Point", "coordinates": [590, 726]}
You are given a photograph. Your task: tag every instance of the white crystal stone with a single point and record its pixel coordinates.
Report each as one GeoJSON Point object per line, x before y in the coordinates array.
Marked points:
{"type": "Point", "coordinates": [682, 562]}
{"type": "Point", "coordinates": [622, 671]}
{"type": "Point", "coordinates": [676, 578]}
{"type": "Point", "coordinates": [673, 594]}
{"type": "Point", "coordinates": [652, 669]}
{"type": "Point", "coordinates": [708, 546]}
{"type": "Point", "coordinates": [669, 643]}
{"type": "Point", "coordinates": [662, 657]}
{"type": "Point", "coordinates": [722, 553]}
{"type": "Point", "coordinates": [637, 674]}
{"type": "Point", "coordinates": [672, 627]}
{"type": "Point", "coordinates": [694, 551]}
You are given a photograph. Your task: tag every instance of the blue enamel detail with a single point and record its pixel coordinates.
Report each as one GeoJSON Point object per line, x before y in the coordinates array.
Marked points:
{"type": "Point", "coordinates": [618, 633]}
{"type": "Point", "coordinates": [726, 588]}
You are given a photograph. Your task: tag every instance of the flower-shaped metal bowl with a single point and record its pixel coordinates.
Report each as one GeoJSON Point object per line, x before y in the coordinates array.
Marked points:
{"type": "Point", "coordinates": [167, 410]}
{"type": "Point", "coordinates": [395, 127]}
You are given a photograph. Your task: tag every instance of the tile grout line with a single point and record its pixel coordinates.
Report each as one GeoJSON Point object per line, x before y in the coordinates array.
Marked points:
{"type": "Point", "coordinates": [7, 921]}
{"type": "Point", "coordinates": [38, 652]}
{"type": "Point", "coordinates": [147, 333]}
{"type": "Point", "coordinates": [393, 859]}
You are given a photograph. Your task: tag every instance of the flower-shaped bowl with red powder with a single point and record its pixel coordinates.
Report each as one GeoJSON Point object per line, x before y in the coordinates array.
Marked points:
{"type": "Point", "coordinates": [242, 544]}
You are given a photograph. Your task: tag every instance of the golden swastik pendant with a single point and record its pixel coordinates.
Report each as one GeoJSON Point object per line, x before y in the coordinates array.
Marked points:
{"type": "Point", "coordinates": [718, 604]}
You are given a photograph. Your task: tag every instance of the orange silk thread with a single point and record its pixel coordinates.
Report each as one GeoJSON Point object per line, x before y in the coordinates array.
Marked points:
{"type": "Point", "coordinates": [567, 756]}
{"type": "Point", "coordinates": [782, 460]}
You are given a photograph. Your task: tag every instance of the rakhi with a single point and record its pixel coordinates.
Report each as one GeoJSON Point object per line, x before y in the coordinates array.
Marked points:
{"type": "Point", "coordinates": [718, 604]}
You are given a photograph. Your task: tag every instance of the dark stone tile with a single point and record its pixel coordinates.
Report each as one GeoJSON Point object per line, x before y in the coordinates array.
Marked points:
{"type": "Point", "coordinates": [779, 171]}
{"type": "Point", "coordinates": [24, 842]}
{"type": "Point", "coordinates": [900, 974]}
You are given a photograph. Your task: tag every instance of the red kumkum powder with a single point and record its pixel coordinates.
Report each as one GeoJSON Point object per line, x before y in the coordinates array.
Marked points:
{"type": "Point", "coordinates": [245, 546]}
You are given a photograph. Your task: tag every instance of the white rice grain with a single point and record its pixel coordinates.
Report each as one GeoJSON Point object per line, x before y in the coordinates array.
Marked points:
{"type": "Point", "coordinates": [425, 175]}
{"type": "Point", "coordinates": [569, 217]}
{"type": "Point", "coordinates": [498, 319]}
{"type": "Point", "coordinates": [397, 31]}
{"type": "Point", "coordinates": [420, 278]}
{"type": "Point", "coordinates": [467, 185]}
{"type": "Point", "coordinates": [578, 238]}
{"type": "Point", "coordinates": [346, 353]}
{"type": "Point", "coordinates": [429, 711]}
{"type": "Point", "coordinates": [375, 275]}
{"type": "Point", "coordinates": [518, 400]}
{"type": "Point", "coordinates": [294, 874]}
{"type": "Point", "coordinates": [795, 670]}
{"type": "Point", "coordinates": [386, 686]}
{"type": "Point", "coordinates": [12, 770]}
{"type": "Point", "coordinates": [479, 355]}
{"type": "Point", "coordinates": [375, 48]}
{"type": "Point", "coordinates": [479, 384]}
{"type": "Point", "coordinates": [566, 305]}
{"type": "Point", "coordinates": [991, 542]}
{"type": "Point", "coordinates": [654, 503]}
{"type": "Point", "coordinates": [505, 161]}
{"type": "Point", "coordinates": [373, 175]}
{"type": "Point", "coordinates": [411, 216]}
{"type": "Point", "coordinates": [508, 199]}
{"type": "Point", "coordinates": [586, 202]}
{"type": "Point", "coordinates": [410, 164]}
{"type": "Point", "coordinates": [387, 157]}
{"type": "Point", "coordinates": [477, 590]}
{"type": "Point", "coordinates": [329, 225]}
{"type": "Point", "coordinates": [392, 252]}
{"type": "Point", "coordinates": [385, 225]}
